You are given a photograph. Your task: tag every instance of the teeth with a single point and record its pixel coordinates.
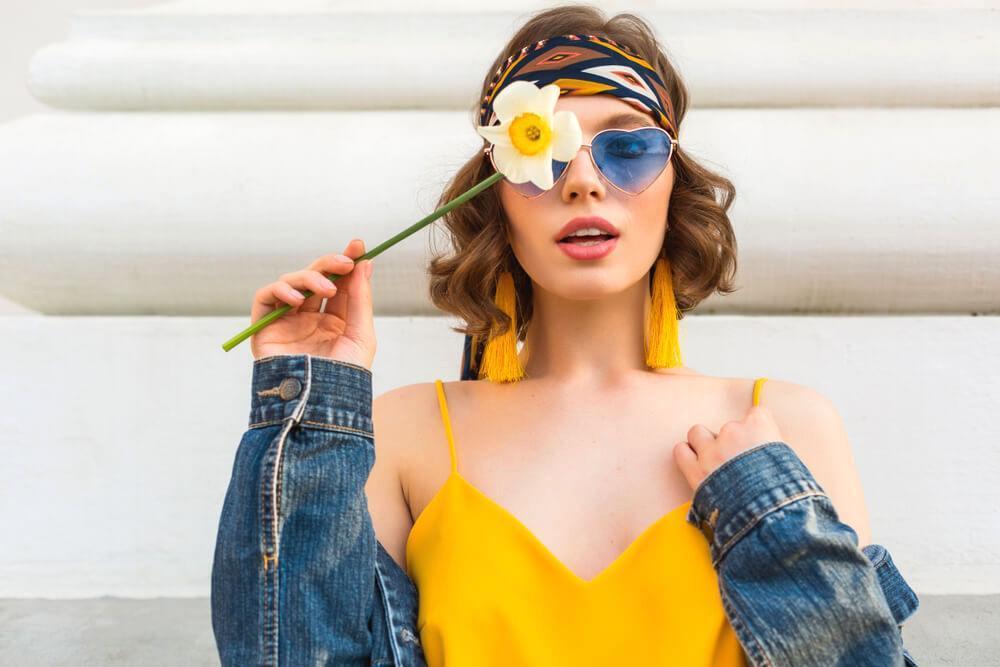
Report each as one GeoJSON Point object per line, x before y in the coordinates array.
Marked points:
{"type": "Point", "coordinates": [588, 231]}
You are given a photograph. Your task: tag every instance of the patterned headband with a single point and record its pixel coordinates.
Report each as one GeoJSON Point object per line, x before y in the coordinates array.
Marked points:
{"type": "Point", "coordinates": [585, 65]}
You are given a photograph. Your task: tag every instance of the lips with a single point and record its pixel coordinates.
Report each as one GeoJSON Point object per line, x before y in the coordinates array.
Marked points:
{"type": "Point", "coordinates": [582, 222]}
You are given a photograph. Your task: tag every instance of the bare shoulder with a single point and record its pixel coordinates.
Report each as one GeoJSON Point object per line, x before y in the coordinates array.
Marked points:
{"type": "Point", "coordinates": [813, 427]}
{"type": "Point", "coordinates": [399, 417]}
{"type": "Point", "coordinates": [807, 418]}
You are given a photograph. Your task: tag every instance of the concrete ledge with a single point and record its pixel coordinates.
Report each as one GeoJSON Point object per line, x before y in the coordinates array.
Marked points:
{"type": "Point", "coordinates": [164, 632]}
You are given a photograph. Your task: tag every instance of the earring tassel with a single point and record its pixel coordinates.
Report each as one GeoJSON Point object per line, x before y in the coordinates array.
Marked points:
{"type": "Point", "coordinates": [663, 347]}
{"type": "Point", "coordinates": [500, 362]}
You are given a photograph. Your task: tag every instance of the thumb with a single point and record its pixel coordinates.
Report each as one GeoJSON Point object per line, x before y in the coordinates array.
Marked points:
{"type": "Point", "coordinates": [359, 306]}
{"type": "Point", "coordinates": [687, 461]}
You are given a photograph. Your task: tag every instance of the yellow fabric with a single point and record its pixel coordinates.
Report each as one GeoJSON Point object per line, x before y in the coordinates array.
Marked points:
{"type": "Point", "coordinates": [491, 593]}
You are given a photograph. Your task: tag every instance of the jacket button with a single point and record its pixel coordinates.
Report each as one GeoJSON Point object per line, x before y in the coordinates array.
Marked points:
{"type": "Point", "coordinates": [289, 388]}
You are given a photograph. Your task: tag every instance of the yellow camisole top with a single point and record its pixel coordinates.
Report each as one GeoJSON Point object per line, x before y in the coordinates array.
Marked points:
{"type": "Point", "coordinates": [491, 593]}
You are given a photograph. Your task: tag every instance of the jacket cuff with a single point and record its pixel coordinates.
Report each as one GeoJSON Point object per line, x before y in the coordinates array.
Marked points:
{"type": "Point", "coordinates": [744, 489]}
{"type": "Point", "coordinates": [902, 599]}
{"type": "Point", "coordinates": [311, 390]}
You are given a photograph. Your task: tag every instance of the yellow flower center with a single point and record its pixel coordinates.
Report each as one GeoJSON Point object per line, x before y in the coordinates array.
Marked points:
{"type": "Point", "coordinates": [529, 133]}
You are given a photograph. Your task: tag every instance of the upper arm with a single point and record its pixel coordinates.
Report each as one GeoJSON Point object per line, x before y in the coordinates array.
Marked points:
{"type": "Point", "coordinates": [812, 426]}
{"type": "Point", "coordinates": [387, 504]}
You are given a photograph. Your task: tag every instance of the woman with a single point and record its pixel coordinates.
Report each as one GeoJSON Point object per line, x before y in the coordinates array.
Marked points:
{"type": "Point", "coordinates": [538, 516]}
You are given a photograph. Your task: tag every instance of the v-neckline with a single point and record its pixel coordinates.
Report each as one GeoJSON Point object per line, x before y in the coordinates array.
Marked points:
{"type": "Point", "coordinates": [532, 538]}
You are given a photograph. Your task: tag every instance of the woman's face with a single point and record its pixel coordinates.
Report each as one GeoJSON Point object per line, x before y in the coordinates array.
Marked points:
{"type": "Point", "coordinates": [582, 191]}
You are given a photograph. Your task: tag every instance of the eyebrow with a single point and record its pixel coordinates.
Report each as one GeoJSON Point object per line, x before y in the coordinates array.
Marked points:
{"type": "Point", "coordinates": [626, 119]}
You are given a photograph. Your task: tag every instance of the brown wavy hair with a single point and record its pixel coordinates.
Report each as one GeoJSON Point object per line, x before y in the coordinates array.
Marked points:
{"type": "Point", "coordinates": [700, 245]}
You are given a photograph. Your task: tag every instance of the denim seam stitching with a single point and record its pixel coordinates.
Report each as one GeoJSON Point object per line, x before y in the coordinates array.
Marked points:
{"type": "Point", "coordinates": [276, 488]}
{"type": "Point", "coordinates": [340, 427]}
{"type": "Point", "coordinates": [388, 611]}
{"type": "Point", "coordinates": [271, 422]}
{"type": "Point", "coordinates": [271, 624]}
{"type": "Point", "coordinates": [759, 656]}
{"type": "Point", "coordinates": [326, 426]}
{"type": "Point", "coordinates": [724, 549]}
{"type": "Point", "coordinates": [335, 361]}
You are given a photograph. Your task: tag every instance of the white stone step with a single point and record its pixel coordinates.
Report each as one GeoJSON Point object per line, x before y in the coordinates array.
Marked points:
{"type": "Point", "coordinates": [318, 55]}
{"type": "Point", "coordinates": [856, 210]}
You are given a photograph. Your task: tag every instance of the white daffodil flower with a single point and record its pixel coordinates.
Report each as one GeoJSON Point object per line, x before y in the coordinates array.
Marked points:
{"type": "Point", "coordinates": [530, 135]}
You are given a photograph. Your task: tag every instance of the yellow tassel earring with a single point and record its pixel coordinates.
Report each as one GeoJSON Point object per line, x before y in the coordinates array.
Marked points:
{"type": "Point", "coordinates": [500, 362]}
{"type": "Point", "coordinates": [663, 348]}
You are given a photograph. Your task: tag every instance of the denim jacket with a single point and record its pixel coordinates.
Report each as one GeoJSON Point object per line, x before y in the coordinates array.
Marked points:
{"type": "Point", "coordinates": [299, 577]}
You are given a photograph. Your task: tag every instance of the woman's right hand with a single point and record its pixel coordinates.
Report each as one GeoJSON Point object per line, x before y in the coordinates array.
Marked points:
{"type": "Point", "coordinates": [344, 330]}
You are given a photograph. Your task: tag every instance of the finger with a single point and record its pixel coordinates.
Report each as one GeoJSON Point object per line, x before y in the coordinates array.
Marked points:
{"type": "Point", "coordinates": [337, 305]}
{"type": "Point", "coordinates": [322, 287]}
{"type": "Point", "coordinates": [272, 296]}
{"type": "Point", "coordinates": [333, 264]}
{"type": "Point", "coordinates": [359, 304]}
{"type": "Point", "coordinates": [700, 437]}
{"type": "Point", "coordinates": [312, 281]}
{"type": "Point", "coordinates": [687, 461]}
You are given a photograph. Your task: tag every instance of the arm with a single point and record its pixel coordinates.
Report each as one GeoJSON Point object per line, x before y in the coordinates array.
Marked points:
{"type": "Point", "coordinates": [293, 580]}
{"type": "Point", "coordinates": [796, 587]}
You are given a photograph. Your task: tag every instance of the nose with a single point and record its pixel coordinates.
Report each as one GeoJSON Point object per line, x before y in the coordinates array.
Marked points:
{"type": "Point", "coordinates": [581, 178]}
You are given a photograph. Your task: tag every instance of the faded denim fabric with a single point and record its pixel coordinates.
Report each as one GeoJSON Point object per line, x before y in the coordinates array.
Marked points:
{"type": "Point", "coordinates": [299, 577]}
{"type": "Point", "coordinates": [795, 586]}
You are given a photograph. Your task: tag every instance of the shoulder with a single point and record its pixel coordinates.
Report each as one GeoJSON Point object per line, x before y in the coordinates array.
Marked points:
{"type": "Point", "coordinates": [399, 414]}
{"type": "Point", "coordinates": [813, 427]}
{"type": "Point", "coordinates": [794, 403]}
{"type": "Point", "coordinates": [808, 419]}
{"type": "Point", "coordinates": [408, 427]}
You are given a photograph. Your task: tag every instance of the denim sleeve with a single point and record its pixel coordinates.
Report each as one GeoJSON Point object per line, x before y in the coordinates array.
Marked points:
{"type": "Point", "coordinates": [795, 586]}
{"type": "Point", "coordinates": [293, 578]}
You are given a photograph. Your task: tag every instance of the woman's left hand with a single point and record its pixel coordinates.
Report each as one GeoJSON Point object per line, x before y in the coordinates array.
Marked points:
{"type": "Point", "coordinates": [704, 451]}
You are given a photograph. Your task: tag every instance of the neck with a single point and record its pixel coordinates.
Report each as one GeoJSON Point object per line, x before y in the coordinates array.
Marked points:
{"type": "Point", "coordinates": [593, 341]}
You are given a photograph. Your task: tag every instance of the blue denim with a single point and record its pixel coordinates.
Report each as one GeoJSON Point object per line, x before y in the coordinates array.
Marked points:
{"type": "Point", "coordinates": [299, 577]}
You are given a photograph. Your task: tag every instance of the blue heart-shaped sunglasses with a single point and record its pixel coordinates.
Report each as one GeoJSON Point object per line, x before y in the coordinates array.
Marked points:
{"type": "Point", "coordinates": [631, 160]}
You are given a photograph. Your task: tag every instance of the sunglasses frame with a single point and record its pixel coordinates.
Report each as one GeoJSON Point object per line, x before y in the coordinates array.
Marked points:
{"type": "Point", "coordinates": [590, 151]}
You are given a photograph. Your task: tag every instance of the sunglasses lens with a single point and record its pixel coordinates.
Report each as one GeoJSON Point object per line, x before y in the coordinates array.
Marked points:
{"type": "Point", "coordinates": [632, 160]}
{"type": "Point", "coordinates": [529, 189]}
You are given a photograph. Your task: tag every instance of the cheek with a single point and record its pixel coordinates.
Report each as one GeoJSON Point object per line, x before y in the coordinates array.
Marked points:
{"type": "Point", "coordinates": [526, 220]}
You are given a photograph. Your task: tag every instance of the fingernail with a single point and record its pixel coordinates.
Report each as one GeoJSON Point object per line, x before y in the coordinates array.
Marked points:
{"type": "Point", "coordinates": [369, 267]}
{"type": "Point", "coordinates": [344, 258]}
{"type": "Point", "coordinates": [298, 294]}
{"type": "Point", "coordinates": [327, 282]}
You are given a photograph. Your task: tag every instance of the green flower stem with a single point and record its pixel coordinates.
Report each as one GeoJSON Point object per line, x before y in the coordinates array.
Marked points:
{"type": "Point", "coordinates": [278, 312]}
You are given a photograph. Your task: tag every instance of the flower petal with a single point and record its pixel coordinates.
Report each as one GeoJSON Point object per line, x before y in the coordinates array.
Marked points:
{"type": "Point", "coordinates": [514, 99]}
{"type": "Point", "coordinates": [567, 137]}
{"type": "Point", "coordinates": [508, 162]}
{"type": "Point", "coordinates": [546, 99]}
{"type": "Point", "coordinates": [496, 134]}
{"type": "Point", "coordinates": [539, 167]}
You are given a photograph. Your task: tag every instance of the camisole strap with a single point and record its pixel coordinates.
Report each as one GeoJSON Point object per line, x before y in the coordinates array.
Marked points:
{"type": "Point", "coordinates": [757, 386]}
{"type": "Point", "coordinates": [447, 424]}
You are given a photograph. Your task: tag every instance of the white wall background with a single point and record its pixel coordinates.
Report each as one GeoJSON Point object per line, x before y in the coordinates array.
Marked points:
{"type": "Point", "coordinates": [24, 28]}
{"type": "Point", "coordinates": [168, 180]}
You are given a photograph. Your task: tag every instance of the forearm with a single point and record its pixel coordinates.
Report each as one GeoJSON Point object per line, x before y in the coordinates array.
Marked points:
{"type": "Point", "coordinates": [795, 585]}
{"type": "Point", "coordinates": [293, 579]}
